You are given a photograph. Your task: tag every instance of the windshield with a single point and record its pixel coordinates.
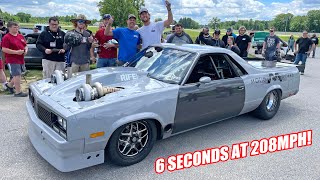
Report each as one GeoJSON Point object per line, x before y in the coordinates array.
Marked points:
{"type": "Point", "coordinates": [164, 64]}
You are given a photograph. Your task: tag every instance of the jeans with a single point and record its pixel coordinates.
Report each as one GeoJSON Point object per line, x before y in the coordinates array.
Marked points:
{"type": "Point", "coordinates": [303, 58]}
{"type": "Point", "coordinates": [106, 62]}
{"type": "Point", "coordinates": [270, 55]}
{"type": "Point", "coordinates": [314, 51]}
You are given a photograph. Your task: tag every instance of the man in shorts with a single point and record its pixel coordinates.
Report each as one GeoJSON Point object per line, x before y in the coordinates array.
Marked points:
{"type": "Point", "coordinates": [15, 47]}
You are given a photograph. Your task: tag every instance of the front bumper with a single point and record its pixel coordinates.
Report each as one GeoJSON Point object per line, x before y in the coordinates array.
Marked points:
{"type": "Point", "coordinates": [64, 155]}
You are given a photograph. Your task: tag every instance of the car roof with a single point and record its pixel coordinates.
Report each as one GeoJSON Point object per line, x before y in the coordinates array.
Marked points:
{"type": "Point", "coordinates": [194, 48]}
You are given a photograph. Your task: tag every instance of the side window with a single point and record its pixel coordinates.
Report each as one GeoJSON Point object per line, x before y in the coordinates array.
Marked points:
{"type": "Point", "coordinates": [224, 68]}
{"type": "Point", "coordinates": [204, 67]}
{"type": "Point", "coordinates": [236, 66]}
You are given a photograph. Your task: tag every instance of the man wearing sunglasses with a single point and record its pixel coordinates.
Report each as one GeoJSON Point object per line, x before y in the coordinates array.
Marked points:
{"type": "Point", "coordinates": [271, 45]}
{"type": "Point", "coordinates": [50, 43]}
{"type": "Point", "coordinates": [80, 55]}
{"type": "Point", "coordinates": [305, 47]}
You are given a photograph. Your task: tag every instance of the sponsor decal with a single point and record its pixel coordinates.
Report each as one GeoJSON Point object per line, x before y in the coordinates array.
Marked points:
{"type": "Point", "coordinates": [272, 77]}
{"type": "Point", "coordinates": [128, 77]}
{"type": "Point", "coordinates": [235, 151]}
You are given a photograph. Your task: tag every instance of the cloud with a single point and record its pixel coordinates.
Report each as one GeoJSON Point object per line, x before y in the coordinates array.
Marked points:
{"type": "Point", "coordinates": [201, 11]}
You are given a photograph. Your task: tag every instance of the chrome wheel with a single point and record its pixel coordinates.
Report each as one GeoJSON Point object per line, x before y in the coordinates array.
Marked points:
{"type": "Point", "coordinates": [272, 101]}
{"type": "Point", "coordinates": [133, 139]}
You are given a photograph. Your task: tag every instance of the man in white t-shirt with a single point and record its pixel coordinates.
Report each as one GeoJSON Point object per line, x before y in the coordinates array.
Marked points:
{"type": "Point", "coordinates": [151, 32]}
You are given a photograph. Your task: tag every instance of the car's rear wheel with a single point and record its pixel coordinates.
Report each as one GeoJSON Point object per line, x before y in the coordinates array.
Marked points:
{"type": "Point", "coordinates": [131, 143]}
{"type": "Point", "coordinates": [269, 106]}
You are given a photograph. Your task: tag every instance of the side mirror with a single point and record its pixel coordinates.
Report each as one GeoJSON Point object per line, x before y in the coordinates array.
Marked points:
{"type": "Point", "coordinates": [205, 80]}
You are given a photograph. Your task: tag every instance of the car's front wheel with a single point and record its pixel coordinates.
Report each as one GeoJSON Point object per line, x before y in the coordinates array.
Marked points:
{"type": "Point", "coordinates": [131, 143]}
{"type": "Point", "coordinates": [269, 106]}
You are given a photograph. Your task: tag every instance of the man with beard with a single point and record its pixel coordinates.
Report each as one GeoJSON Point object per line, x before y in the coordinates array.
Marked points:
{"type": "Point", "coordinates": [151, 32]}
{"type": "Point", "coordinates": [180, 37]}
{"type": "Point", "coordinates": [243, 41]}
{"type": "Point", "coordinates": [128, 38]}
{"type": "Point", "coordinates": [205, 34]}
{"type": "Point", "coordinates": [80, 55]}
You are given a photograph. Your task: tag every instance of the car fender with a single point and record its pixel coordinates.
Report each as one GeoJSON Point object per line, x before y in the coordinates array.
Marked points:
{"type": "Point", "coordinates": [136, 117]}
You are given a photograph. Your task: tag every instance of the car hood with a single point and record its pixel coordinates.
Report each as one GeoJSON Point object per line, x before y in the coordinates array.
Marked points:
{"type": "Point", "coordinates": [134, 83]}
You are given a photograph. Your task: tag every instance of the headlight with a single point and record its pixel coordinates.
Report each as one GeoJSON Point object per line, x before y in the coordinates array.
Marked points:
{"type": "Point", "coordinates": [60, 126]}
{"type": "Point", "coordinates": [62, 123]}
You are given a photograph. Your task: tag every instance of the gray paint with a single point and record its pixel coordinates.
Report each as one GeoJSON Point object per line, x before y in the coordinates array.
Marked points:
{"type": "Point", "coordinates": [143, 98]}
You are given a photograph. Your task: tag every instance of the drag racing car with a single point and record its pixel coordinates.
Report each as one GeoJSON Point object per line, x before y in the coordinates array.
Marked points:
{"type": "Point", "coordinates": [117, 113]}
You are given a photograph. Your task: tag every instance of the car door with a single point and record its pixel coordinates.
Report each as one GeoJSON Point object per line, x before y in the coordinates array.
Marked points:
{"type": "Point", "coordinates": [211, 102]}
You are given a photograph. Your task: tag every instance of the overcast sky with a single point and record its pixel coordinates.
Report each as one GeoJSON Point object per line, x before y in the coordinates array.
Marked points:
{"type": "Point", "coordinates": [200, 10]}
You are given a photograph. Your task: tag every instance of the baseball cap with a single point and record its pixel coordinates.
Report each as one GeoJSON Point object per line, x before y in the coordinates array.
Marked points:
{"type": "Point", "coordinates": [143, 10]}
{"type": "Point", "coordinates": [106, 16]}
{"type": "Point", "coordinates": [229, 30]}
{"type": "Point", "coordinates": [217, 31]}
{"type": "Point", "coordinates": [131, 16]}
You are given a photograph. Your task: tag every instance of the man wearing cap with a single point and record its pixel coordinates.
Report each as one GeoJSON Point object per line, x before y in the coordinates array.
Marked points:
{"type": "Point", "coordinates": [128, 38]}
{"type": "Point", "coordinates": [151, 31]}
{"type": "Point", "coordinates": [228, 33]}
{"type": "Point", "coordinates": [205, 34]}
{"type": "Point", "coordinates": [215, 41]}
{"type": "Point", "coordinates": [80, 55]}
{"type": "Point", "coordinates": [180, 37]}
{"type": "Point", "coordinates": [50, 43]}
{"type": "Point", "coordinates": [107, 51]}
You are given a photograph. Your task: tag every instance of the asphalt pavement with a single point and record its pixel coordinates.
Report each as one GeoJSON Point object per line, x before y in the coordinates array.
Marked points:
{"type": "Point", "coordinates": [19, 160]}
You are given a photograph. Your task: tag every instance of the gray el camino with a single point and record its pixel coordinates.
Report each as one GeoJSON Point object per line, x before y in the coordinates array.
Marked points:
{"type": "Point", "coordinates": [168, 89]}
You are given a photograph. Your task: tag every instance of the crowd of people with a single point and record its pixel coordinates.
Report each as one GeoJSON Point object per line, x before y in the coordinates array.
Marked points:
{"type": "Point", "coordinates": [76, 47]}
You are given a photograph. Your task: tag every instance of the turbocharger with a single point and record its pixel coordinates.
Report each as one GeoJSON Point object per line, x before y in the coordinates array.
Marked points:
{"type": "Point", "coordinates": [87, 92]}
{"type": "Point", "coordinates": [58, 77]}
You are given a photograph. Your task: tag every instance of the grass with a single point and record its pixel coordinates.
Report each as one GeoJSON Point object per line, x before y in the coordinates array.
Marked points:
{"type": "Point", "coordinates": [31, 76]}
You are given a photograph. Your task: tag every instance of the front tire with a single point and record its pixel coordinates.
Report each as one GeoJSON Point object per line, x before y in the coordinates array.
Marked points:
{"type": "Point", "coordinates": [131, 142]}
{"type": "Point", "coordinates": [269, 106]}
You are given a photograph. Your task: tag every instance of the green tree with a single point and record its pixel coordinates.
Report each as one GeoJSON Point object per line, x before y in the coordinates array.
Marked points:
{"type": "Point", "coordinates": [282, 21]}
{"type": "Point", "coordinates": [313, 20]}
{"type": "Point", "coordinates": [299, 23]}
{"type": "Point", "coordinates": [24, 17]}
{"type": "Point", "coordinates": [214, 22]}
{"type": "Point", "coordinates": [189, 23]}
{"type": "Point", "coordinates": [120, 9]}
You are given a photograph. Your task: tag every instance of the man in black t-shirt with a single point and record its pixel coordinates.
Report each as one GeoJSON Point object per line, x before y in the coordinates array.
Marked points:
{"type": "Point", "coordinates": [271, 45]}
{"type": "Point", "coordinates": [315, 40]}
{"type": "Point", "coordinates": [243, 41]}
{"type": "Point", "coordinates": [305, 46]}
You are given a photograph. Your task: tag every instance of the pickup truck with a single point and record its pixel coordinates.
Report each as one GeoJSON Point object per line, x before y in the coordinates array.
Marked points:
{"type": "Point", "coordinates": [117, 113]}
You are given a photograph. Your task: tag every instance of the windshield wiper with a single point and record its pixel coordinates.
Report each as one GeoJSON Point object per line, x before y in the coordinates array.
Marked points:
{"type": "Point", "coordinates": [162, 80]}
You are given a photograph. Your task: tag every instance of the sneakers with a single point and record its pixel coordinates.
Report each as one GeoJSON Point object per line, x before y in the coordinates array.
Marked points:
{"type": "Point", "coordinates": [10, 89]}
{"type": "Point", "coordinates": [302, 73]}
{"type": "Point", "coordinates": [21, 94]}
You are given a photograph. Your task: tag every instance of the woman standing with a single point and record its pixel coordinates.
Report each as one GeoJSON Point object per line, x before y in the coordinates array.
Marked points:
{"type": "Point", "coordinates": [290, 44]}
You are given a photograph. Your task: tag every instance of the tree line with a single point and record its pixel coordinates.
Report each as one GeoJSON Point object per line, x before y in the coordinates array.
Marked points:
{"type": "Point", "coordinates": [121, 9]}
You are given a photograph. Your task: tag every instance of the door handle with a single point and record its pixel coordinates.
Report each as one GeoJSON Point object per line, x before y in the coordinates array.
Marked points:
{"type": "Point", "coordinates": [240, 87]}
